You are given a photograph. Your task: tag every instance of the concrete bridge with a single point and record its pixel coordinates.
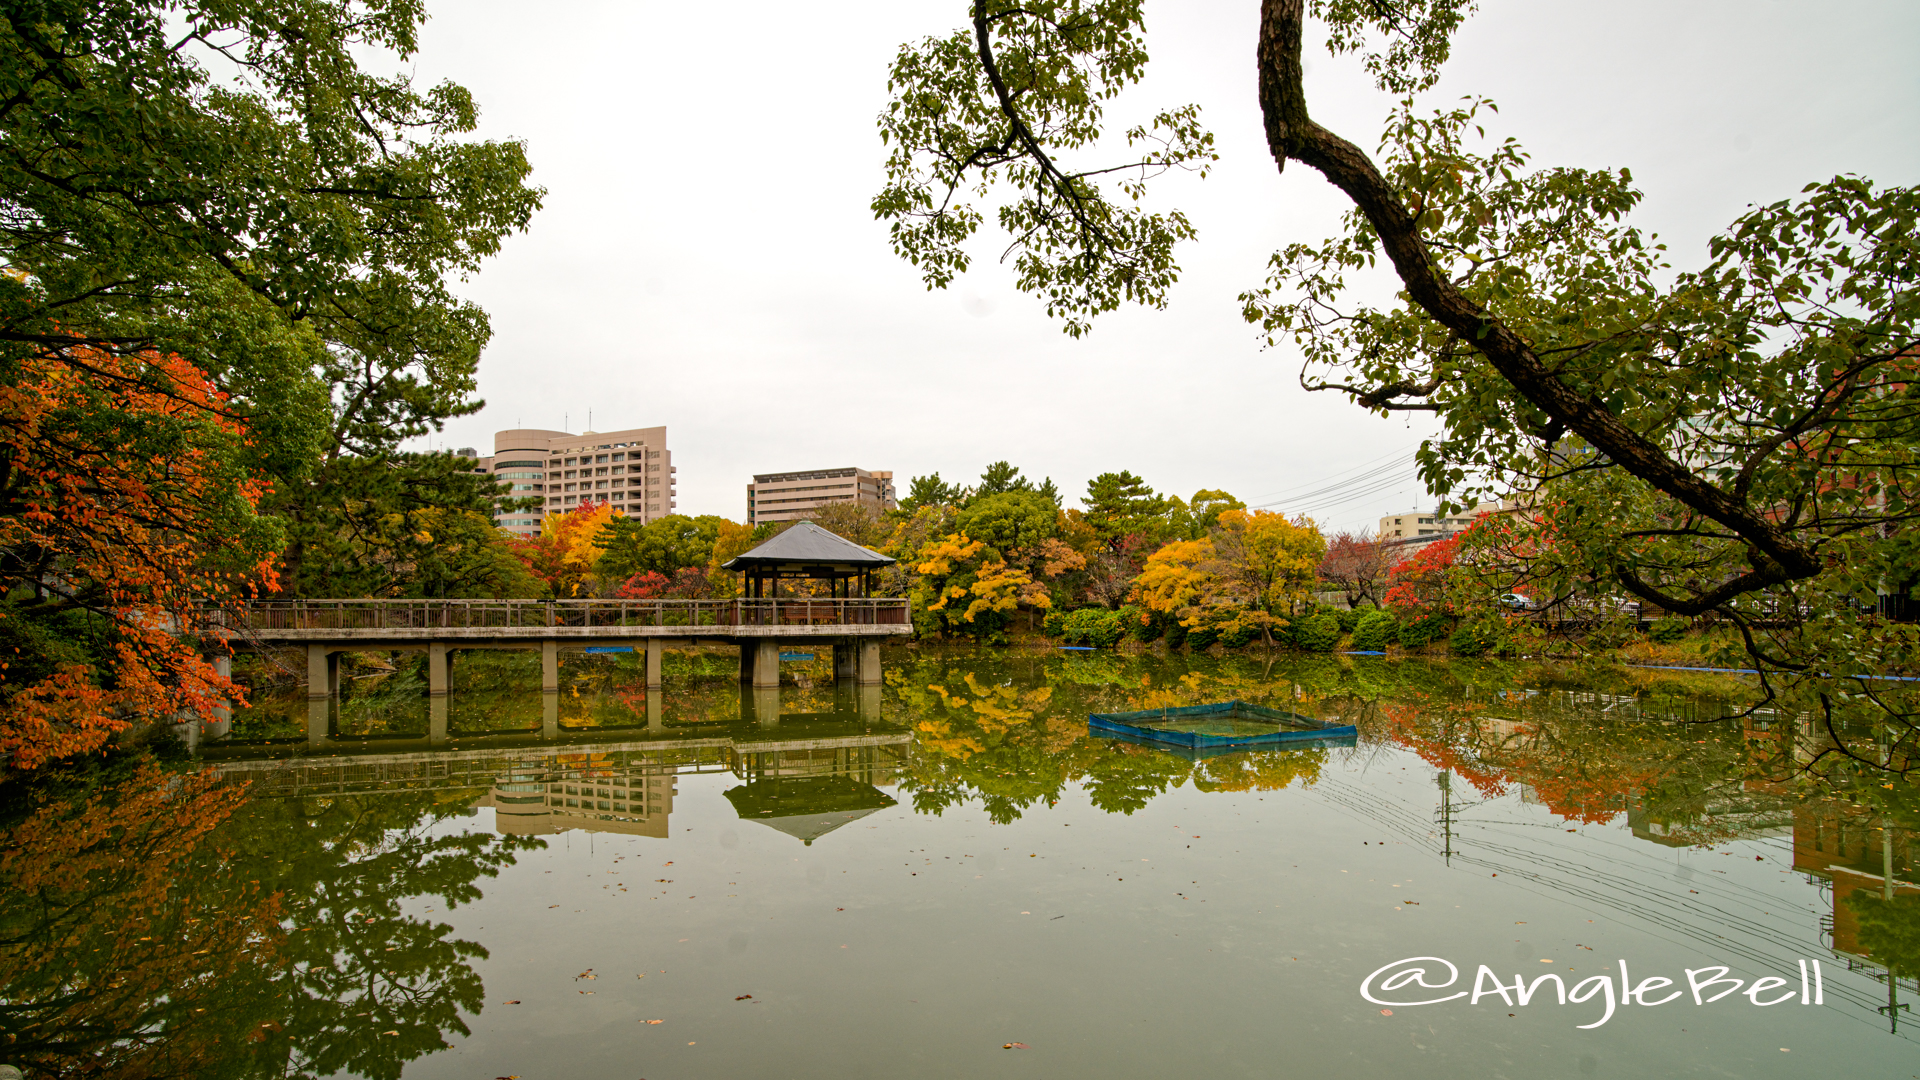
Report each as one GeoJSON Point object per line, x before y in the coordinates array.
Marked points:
{"type": "Point", "coordinates": [854, 627]}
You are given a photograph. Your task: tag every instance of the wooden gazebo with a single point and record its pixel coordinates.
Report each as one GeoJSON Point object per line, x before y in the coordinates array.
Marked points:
{"type": "Point", "coordinates": [807, 551]}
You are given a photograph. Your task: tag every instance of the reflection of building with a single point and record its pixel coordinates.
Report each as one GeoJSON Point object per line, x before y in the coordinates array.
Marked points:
{"type": "Point", "coordinates": [809, 791]}
{"type": "Point", "coordinates": [580, 791]}
{"type": "Point", "coordinates": [1712, 821]}
{"type": "Point", "coordinates": [1849, 847]}
{"type": "Point", "coordinates": [1862, 862]}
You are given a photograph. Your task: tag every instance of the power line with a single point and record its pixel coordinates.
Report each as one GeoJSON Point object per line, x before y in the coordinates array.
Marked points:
{"type": "Point", "coordinates": [1284, 494]}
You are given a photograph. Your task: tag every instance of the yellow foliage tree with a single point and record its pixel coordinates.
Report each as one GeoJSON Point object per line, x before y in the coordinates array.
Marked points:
{"type": "Point", "coordinates": [1002, 587]}
{"type": "Point", "coordinates": [1270, 556]}
{"type": "Point", "coordinates": [733, 539]}
{"type": "Point", "coordinates": [1179, 580]}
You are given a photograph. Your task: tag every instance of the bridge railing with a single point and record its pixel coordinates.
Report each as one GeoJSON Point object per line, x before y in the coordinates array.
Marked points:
{"type": "Point", "coordinates": [417, 615]}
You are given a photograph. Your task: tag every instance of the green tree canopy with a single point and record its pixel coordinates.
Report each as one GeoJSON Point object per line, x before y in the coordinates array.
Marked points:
{"type": "Point", "coordinates": [663, 546]}
{"type": "Point", "coordinates": [1121, 504]}
{"type": "Point", "coordinates": [234, 184]}
{"type": "Point", "coordinates": [930, 490]}
{"type": "Point", "coordinates": [1010, 521]}
{"type": "Point", "coordinates": [1736, 440]}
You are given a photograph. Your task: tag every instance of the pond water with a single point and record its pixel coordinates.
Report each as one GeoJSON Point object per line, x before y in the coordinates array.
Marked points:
{"type": "Point", "coordinates": [951, 877]}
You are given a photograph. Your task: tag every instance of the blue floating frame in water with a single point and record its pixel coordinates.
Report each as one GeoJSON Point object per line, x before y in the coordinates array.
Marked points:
{"type": "Point", "coordinates": [1135, 725]}
{"type": "Point", "coordinates": [787, 657]}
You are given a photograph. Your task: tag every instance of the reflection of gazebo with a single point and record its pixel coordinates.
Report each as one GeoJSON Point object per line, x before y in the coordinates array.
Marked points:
{"type": "Point", "coordinates": [806, 808]}
{"type": "Point", "coordinates": [805, 550]}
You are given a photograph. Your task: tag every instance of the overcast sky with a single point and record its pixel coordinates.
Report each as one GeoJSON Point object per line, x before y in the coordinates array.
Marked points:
{"type": "Point", "coordinates": [706, 259]}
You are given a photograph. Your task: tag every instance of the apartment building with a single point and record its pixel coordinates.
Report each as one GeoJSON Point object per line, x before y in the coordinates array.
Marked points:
{"type": "Point", "coordinates": [1429, 523]}
{"type": "Point", "coordinates": [790, 496]}
{"type": "Point", "coordinates": [632, 470]}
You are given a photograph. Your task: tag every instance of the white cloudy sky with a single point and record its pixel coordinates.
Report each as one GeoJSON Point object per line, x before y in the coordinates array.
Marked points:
{"type": "Point", "coordinates": [706, 260]}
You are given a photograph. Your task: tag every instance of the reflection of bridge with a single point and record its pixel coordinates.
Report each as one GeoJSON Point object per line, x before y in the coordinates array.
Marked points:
{"type": "Point", "coordinates": [599, 785]}
{"type": "Point", "coordinates": [855, 627]}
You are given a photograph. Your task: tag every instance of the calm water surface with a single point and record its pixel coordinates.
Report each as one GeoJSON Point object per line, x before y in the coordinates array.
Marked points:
{"type": "Point", "coordinates": [835, 884]}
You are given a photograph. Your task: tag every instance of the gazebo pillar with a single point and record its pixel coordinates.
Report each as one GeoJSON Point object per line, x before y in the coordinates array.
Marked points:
{"type": "Point", "coordinates": [869, 663]}
{"type": "Point", "coordinates": [845, 658]}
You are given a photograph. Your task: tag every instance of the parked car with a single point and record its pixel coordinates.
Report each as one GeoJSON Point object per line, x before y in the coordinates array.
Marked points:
{"type": "Point", "coordinates": [1516, 602]}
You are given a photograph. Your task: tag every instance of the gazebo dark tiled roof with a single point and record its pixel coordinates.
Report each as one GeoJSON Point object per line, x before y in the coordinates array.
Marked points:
{"type": "Point", "coordinates": [806, 544]}
{"type": "Point", "coordinates": [806, 550]}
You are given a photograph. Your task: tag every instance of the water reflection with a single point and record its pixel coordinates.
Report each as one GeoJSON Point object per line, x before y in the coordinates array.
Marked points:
{"type": "Point", "coordinates": [278, 915]}
{"type": "Point", "coordinates": [161, 923]}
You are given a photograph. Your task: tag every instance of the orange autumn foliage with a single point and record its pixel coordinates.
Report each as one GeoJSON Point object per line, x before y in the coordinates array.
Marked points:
{"type": "Point", "coordinates": [120, 497]}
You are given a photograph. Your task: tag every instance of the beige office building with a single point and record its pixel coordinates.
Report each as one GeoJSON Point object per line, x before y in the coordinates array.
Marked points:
{"type": "Point", "coordinates": [631, 470]}
{"type": "Point", "coordinates": [1429, 523]}
{"type": "Point", "coordinates": [791, 496]}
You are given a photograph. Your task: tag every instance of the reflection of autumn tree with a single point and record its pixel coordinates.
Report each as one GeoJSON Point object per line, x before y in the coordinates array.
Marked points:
{"type": "Point", "coordinates": [275, 942]}
{"type": "Point", "coordinates": [1260, 770]}
{"type": "Point", "coordinates": [345, 867]}
{"type": "Point", "coordinates": [1582, 765]}
{"type": "Point", "coordinates": [127, 931]}
{"type": "Point", "coordinates": [1123, 777]}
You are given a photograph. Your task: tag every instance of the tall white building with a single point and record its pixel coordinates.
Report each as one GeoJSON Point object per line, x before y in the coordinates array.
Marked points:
{"type": "Point", "coordinates": [631, 470]}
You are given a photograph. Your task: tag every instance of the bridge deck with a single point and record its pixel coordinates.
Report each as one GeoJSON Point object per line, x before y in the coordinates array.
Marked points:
{"type": "Point", "coordinates": [299, 621]}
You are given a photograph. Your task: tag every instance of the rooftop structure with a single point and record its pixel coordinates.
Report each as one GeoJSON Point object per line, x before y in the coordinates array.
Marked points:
{"type": "Point", "coordinates": [632, 470]}
{"type": "Point", "coordinates": [805, 550]}
{"type": "Point", "coordinates": [793, 496]}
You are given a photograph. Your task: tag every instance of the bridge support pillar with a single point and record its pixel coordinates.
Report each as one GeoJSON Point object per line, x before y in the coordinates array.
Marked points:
{"type": "Point", "coordinates": [766, 664]}
{"type": "Point", "coordinates": [549, 716]}
{"type": "Point", "coordinates": [323, 672]}
{"type": "Point", "coordinates": [655, 649]}
{"type": "Point", "coordinates": [437, 669]}
{"type": "Point", "coordinates": [867, 702]}
{"type": "Point", "coordinates": [845, 656]}
{"type": "Point", "coordinates": [220, 724]}
{"type": "Point", "coordinates": [550, 667]}
{"type": "Point", "coordinates": [319, 720]}
{"type": "Point", "coordinates": [762, 706]}
{"type": "Point", "coordinates": [869, 663]}
{"type": "Point", "coordinates": [437, 721]}
{"type": "Point", "coordinates": [746, 663]}
{"type": "Point", "coordinates": [656, 722]}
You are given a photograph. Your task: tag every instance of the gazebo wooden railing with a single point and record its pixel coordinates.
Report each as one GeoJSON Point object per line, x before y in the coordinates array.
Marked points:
{"type": "Point", "coordinates": [266, 617]}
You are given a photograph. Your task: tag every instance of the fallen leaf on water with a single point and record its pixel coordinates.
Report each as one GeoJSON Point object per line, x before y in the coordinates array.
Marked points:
{"type": "Point", "coordinates": [510, 1003]}
{"type": "Point", "coordinates": [389, 1033]}
{"type": "Point", "coordinates": [1013, 1046]}
{"type": "Point", "coordinates": [743, 997]}
{"type": "Point", "coordinates": [656, 1021]}
{"type": "Point", "coordinates": [553, 905]}
{"type": "Point", "coordinates": [587, 992]}
{"type": "Point", "coordinates": [1386, 1012]}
